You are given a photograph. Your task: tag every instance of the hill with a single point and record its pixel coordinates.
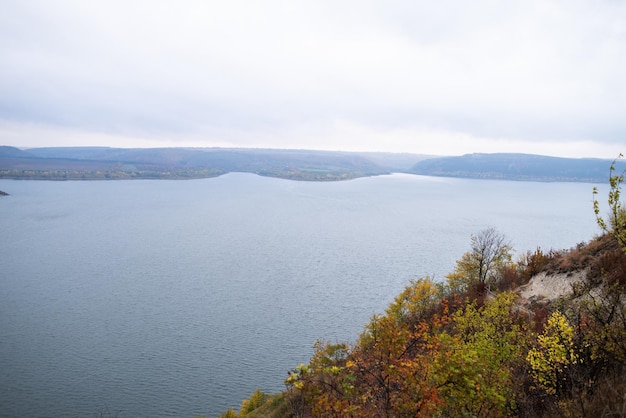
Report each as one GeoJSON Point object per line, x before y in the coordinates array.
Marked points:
{"type": "Point", "coordinates": [517, 167]}
{"type": "Point", "coordinates": [102, 163]}
{"type": "Point", "coordinates": [92, 163]}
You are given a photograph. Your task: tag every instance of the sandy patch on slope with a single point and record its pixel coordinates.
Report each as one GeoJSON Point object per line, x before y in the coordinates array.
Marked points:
{"type": "Point", "coordinates": [551, 286]}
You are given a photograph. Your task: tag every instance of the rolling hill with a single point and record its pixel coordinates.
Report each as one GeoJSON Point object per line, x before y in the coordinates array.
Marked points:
{"type": "Point", "coordinates": [518, 167]}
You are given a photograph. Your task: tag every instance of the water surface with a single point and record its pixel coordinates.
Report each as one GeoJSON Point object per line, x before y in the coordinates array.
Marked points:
{"type": "Point", "coordinates": [175, 298]}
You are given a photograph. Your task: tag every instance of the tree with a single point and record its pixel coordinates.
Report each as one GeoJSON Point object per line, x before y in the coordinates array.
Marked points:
{"type": "Point", "coordinates": [490, 251]}
{"type": "Point", "coordinates": [392, 367]}
{"type": "Point", "coordinates": [322, 387]}
{"type": "Point", "coordinates": [555, 353]}
{"type": "Point", "coordinates": [476, 358]}
{"type": "Point", "coordinates": [617, 213]}
{"type": "Point", "coordinates": [257, 399]}
{"type": "Point", "coordinates": [415, 300]}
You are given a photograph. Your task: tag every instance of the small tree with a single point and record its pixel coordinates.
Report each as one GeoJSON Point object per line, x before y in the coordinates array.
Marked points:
{"type": "Point", "coordinates": [554, 355]}
{"type": "Point", "coordinates": [414, 301]}
{"type": "Point", "coordinates": [617, 213]}
{"type": "Point", "coordinates": [257, 399]}
{"type": "Point", "coordinates": [489, 253]}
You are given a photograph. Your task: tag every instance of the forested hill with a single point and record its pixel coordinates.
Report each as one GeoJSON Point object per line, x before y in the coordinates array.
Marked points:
{"type": "Point", "coordinates": [103, 163]}
{"type": "Point", "coordinates": [93, 163]}
{"type": "Point", "coordinates": [518, 167]}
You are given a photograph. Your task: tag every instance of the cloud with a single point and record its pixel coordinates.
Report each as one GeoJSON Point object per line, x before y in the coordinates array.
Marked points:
{"type": "Point", "coordinates": [314, 73]}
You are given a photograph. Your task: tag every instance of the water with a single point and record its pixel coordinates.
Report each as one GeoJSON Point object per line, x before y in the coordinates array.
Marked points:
{"type": "Point", "coordinates": [176, 298]}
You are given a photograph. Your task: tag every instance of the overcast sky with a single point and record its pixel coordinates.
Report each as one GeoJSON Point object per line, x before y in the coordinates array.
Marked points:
{"type": "Point", "coordinates": [444, 77]}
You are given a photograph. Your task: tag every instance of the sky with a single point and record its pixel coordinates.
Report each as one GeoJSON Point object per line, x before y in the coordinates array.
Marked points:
{"type": "Point", "coordinates": [445, 77]}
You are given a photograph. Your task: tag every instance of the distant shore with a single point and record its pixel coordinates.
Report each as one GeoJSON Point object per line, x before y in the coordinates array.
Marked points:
{"type": "Point", "coordinates": [98, 163]}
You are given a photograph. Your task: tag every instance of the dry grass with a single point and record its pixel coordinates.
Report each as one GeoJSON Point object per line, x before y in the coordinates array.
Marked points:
{"type": "Point", "coordinates": [582, 257]}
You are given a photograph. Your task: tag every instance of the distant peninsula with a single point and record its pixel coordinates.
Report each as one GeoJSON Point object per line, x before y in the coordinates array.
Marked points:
{"type": "Point", "coordinates": [3, 193]}
{"type": "Point", "coordinates": [104, 163]}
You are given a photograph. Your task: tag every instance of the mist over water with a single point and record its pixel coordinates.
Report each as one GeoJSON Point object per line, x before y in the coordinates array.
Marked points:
{"type": "Point", "coordinates": [175, 298]}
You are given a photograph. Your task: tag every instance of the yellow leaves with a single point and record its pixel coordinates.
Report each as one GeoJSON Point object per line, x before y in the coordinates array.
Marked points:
{"type": "Point", "coordinates": [335, 370]}
{"type": "Point", "coordinates": [296, 375]}
{"type": "Point", "coordinates": [256, 400]}
{"type": "Point", "coordinates": [458, 280]}
{"type": "Point", "coordinates": [554, 354]}
{"type": "Point", "coordinates": [416, 298]}
{"type": "Point", "coordinates": [491, 322]}
{"type": "Point", "coordinates": [473, 367]}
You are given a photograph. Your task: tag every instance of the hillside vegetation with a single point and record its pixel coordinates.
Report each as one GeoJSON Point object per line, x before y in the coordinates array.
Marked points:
{"type": "Point", "coordinates": [516, 167]}
{"type": "Point", "coordinates": [102, 163]}
{"type": "Point", "coordinates": [544, 336]}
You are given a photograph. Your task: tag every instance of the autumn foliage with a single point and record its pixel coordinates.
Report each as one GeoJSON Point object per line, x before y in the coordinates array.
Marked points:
{"type": "Point", "coordinates": [471, 347]}
{"type": "Point", "coordinates": [441, 350]}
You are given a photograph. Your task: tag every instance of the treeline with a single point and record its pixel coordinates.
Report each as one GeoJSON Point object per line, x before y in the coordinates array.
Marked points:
{"type": "Point", "coordinates": [108, 174]}
{"type": "Point", "coordinates": [98, 163]}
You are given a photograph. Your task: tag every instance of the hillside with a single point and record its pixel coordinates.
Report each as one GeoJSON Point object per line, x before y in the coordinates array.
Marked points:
{"type": "Point", "coordinates": [517, 167]}
{"type": "Point", "coordinates": [94, 163]}
{"type": "Point", "coordinates": [548, 340]}
{"type": "Point", "coordinates": [102, 163]}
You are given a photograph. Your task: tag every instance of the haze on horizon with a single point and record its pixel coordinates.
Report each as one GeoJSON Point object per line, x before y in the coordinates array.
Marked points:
{"type": "Point", "coordinates": [444, 78]}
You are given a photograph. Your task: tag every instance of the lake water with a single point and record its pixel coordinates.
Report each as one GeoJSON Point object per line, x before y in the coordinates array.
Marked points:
{"type": "Point", "coordinates": [176, 298]}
